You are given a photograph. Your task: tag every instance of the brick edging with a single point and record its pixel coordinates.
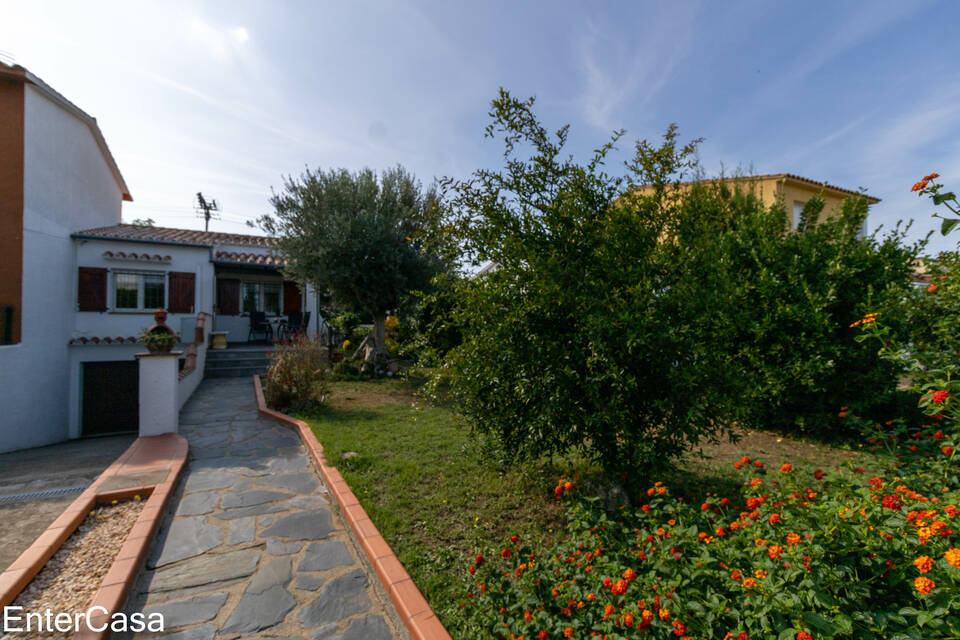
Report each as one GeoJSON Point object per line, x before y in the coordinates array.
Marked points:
{"type": "Point", "coordinates": [166, 452]}
{"type": "Point", "coordinates": [417, 616]}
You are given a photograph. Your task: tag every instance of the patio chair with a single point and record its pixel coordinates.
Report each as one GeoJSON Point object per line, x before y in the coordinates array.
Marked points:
{"type": "Point", "coordinates": [289, 325]}
{"type": "Point", "coordinates": [259, 324]}
{"type": "Point", "coordinates": [297, 323]}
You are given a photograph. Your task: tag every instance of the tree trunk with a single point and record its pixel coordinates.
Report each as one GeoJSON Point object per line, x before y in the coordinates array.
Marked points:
{"type": "Point", "coordinates": [374, 345]}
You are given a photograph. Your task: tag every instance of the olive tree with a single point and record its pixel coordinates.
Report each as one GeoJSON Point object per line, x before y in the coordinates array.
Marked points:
{"type": "Point", "coordinates": [356, 237]}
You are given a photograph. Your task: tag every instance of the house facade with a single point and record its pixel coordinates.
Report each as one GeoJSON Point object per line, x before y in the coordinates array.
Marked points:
{"type": "Point", "coordinates": [77, 286]}
{"type": "Point", "coordinates": [793, 191]}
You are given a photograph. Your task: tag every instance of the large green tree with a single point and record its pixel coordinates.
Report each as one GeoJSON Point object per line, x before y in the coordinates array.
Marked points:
{"type": "Point", "coordinates": [630, 316]}
{"type": "Point", "coordinates": [357, 237]}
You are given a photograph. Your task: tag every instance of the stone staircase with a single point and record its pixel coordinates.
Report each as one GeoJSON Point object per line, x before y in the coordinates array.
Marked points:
{"type": "Point", "coordinates": [237, 361]}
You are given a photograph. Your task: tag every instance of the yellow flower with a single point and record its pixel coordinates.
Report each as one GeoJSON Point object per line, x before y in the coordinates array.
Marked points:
{"type": "Point", "coordinates": [760, 573]}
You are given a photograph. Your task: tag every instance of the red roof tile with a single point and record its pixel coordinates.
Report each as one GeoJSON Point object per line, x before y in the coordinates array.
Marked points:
{"type": "Point", "coordinates": [238, 257]}
{"type": "Point", "coordinates": [167, 235]}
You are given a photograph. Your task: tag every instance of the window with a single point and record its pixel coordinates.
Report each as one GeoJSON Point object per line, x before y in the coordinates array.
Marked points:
{"type": "Point", "coordinates": [797, 213]}
{"type": "Point", "coordinates": [139, 291]}
{"type": "Point", "coordinates": [261, 296]}
{"type": "Point", "coordinates": [251, 297]}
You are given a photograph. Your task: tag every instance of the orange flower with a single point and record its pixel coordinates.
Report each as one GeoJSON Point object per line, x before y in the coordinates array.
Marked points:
{"type": "Point", "coordinates": [629, 574]}
{"type": "Point", "coordinates": [760, 574]}
{"type": "Point", "coordinates": [646, 615]}
{"type": "Point", "coordinates": [774, 551]}
{"type": "Point", "coordinates": [924, 585]}
{"type": "Point", "coordinates": [923, 564]}
{"type": "Point", "coordinates": [568, 632]}
{"type": "Point", "coordinates": [793, 538]}
{"type": "Point", "coordinates": [919, 185]}
{"type": "Point", "coordinates": [785, 467]}
{"type": "Point", "coordinates": [953, 557]}
{"type": "Point", "coordinates": [628, 619]}
{"type": "Point", "coordinates": [749, 583]}
{"type": "Point", "coordinates": [664, 614]}
{"type": "Point", "coordinates": [932, 288]}
{"type": "Point", "coordinates": [619, 588]}
{"type": "Point", "coordinates": [932, 176]}
{"type": "Point", "coordinates": [947, 450]}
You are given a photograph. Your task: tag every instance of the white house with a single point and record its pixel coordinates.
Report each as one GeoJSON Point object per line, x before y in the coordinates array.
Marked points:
{"type": "Point", "coordinates": [77, 286]}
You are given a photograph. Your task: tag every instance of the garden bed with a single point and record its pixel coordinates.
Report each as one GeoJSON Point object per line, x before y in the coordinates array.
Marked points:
{"type": "Point", "coordinates": [420, 476]}
{"type": "Point", "coordinates": [69, 580]}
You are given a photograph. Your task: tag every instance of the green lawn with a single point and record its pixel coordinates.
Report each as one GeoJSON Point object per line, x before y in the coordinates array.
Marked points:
{"type": "Point", "coordinates": [420, 477]}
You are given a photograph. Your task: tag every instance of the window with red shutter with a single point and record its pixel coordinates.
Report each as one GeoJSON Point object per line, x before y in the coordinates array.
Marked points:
{"type": "Point", "coordinates": [228, 296]}
{"type": "Point", "coordinates": [292, 300]}
{"type": "Point", "coordinates": [182, 292]}
{"type": "Point", "coordinates": [92, 289]}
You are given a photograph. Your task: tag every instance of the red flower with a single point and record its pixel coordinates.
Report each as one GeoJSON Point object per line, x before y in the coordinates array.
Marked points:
{"type": "Point", "coordinates": [742, 636]}
{"type": "Point", "coordinates": [505, 553]}
{"type": "Point", "coordinates": [940, 396]}
{"type": "Point", "coordinates": [568, 632]}
{"type": "Point", "coordinates": [472, 569]}
{"type": "Point", "coordinates": [774, 518]}
{"type": "Point", "coordinates": [785, 467]}
{"type": "Point", "coordinates": [607, 582]}
{"type": "Point", "coordinates": [629, 574]}
{"type": "Point", "coordinates": [932, 288]}
{"type": "Point", "coordinates": [893, 502]}
{"type": "Point", "coordinates": [542, 635]}
{"type": "Point", "coordinates": [818, 474]}
{"type": "Point", "coordinates": [932, 176]}
{"type": "Point", "coordinates": [678, 628]}
{"type": "Point", "coordinates": [514, 539]}
{"type": "Point", "coordinates": [619, 588]}
{"type": "Point", "coordinates": [916, 187]}
{"type": "Point", "coordinates": [479, 558]}
{"type": "Point", "coordinates": [947, 450]}
{"type": "Point", "coordinates": [803, 635]}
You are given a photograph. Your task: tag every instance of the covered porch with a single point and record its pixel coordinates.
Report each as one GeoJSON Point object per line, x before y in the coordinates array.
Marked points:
{"type": "Point", "coordinates": [254, 304]}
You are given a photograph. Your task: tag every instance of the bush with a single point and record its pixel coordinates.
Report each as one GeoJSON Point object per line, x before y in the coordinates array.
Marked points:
{"type": "Point", "coordinates": [632, 323]}
{"type": "Point", "coordinates": [346, 370]}
{"type": "Point", "coordinates": [796, 554]}
{"type": "Point", "coordinates": [295, 379]}
{"type": "Point", "coordinates": [788, 300]}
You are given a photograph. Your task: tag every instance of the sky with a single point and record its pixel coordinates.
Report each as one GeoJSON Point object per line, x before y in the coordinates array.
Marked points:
{"type": "Point", "coordinates": [227, 98]}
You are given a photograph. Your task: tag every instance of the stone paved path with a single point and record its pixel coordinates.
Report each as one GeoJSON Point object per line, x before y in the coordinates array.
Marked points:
{"type": "Point", "coordinates": [251, 547]}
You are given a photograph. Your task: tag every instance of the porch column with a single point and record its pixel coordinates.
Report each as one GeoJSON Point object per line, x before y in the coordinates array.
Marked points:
{"type": "Point", "coordinates": [158, 393]}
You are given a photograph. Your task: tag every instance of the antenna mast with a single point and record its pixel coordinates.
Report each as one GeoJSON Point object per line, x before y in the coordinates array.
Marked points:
{"type": "Point", "coordinates": [207, 210]}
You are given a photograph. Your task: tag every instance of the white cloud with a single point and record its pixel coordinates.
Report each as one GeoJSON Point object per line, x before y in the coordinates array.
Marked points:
{"type": "Point", "coordinates": [220, 42]}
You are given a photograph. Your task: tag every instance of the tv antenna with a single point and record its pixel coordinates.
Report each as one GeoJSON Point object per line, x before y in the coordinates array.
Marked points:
{"type": "Point", "coordinates": [207, 210]}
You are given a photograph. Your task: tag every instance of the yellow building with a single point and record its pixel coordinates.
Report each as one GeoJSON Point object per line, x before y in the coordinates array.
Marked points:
{"type": "Point", "coordinates": [794, 192]}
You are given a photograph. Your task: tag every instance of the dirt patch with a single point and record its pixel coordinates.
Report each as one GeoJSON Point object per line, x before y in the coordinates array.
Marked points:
{"type": "Point", "coordinates": [773, 449]}
{"type": "Point", "coordinates": [72, 576]}
{"type": "Point", "coordinates": [366, 395]}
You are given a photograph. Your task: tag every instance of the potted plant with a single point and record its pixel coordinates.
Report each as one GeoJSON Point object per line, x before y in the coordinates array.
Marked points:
{"type": "Point", "coordinates": [159, 338]}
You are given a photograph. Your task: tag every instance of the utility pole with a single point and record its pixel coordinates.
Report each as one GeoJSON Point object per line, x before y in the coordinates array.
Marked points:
{"type": "Point", "coordinates": [207, 210]}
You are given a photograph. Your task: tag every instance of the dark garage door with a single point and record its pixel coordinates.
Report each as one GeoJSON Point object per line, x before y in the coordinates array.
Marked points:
{"type": "Point", "coordinates": [111, 397]}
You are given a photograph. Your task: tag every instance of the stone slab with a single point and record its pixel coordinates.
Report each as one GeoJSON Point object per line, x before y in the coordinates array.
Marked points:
{"type": "Point", "coordinates": [186, 538]}
{"type": "Point", "coordinates": [191, 611]}
{"type": "Point", "coordinates": [207, 569]}
{"type": "Point", "coordinates": [306, 525]}
{"type": "Point", "coordinates": [323, 556]}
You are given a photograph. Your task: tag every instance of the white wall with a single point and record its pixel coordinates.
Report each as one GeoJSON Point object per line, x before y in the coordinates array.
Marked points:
{"type": "Point", "coordinates": [115, 323]}
{"type": "Point", "coordinates": [68, 186]}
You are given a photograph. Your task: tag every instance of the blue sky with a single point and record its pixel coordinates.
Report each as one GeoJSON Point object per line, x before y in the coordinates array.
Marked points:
{"type": "Point", "coordinates": [227, 97]}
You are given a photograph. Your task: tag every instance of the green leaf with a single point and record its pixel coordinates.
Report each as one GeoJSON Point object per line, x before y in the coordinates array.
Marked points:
{"type": "Point", "coordinates": [818, 622]}
{"type": "Point", "coordinates": [940, 198]}
{"type": "Point", "coordinates": [908, 611]}
{"type": "Point", "coordinates": [948, 225]}
{"type": "Point", "coordinates": [787, 634]}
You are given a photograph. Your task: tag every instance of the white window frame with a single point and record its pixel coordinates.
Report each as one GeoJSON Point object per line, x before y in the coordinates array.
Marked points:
{"type": "Point", "coordinates": [140, 274]}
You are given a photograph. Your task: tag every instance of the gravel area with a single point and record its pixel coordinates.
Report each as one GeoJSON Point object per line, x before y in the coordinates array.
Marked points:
{"type": "Point", "coordinates": [72, 576]}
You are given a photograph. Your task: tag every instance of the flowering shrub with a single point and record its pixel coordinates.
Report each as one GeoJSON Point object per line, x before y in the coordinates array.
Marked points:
{"type": "Point", "coordinates": [294, 380]}
{"type": "Point", "coordinates": [795, 554]}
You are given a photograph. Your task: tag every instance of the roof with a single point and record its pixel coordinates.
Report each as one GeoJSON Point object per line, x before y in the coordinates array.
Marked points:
{"type": "Point", "coordinates": [791, 177]}
{"type": "Point", "coordinates": [825, 185]}
{"type": "Point", "coordinates": [16, 72]}
{"type": "Point", "coordinates": [168, 235]}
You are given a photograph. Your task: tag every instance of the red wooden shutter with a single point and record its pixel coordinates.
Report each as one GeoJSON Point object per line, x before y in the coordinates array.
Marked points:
{"type": "Point", "coordinates": [180, 299]}
{"type": "Point", "coordinates": [92, 289]}
{"type": "Point", "coordinates": [228, 296]}
{"type": "Point", "coordinates": [292, 300]}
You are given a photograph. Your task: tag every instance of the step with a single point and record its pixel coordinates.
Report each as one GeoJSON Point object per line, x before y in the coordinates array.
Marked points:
{"type": "Point", "coordinates": [233, 372]}
{"type": "Point", "coordinates": [226, 354]}
{"type": "Point", "coordinates": [252, 361]}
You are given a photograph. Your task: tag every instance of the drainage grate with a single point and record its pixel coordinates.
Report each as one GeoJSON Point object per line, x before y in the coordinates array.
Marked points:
{"type": "Point", "coordinates": [48, 493]}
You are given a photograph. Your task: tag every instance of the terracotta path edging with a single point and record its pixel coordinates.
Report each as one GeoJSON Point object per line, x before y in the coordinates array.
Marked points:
{"type": "Point", "coordinates": [416, 614]}
{"type": "Point", "coordinates": [167, 452]}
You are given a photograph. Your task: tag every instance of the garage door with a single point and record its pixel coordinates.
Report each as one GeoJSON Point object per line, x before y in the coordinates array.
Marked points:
{"type": "Point", "coordinates": [111, 397]}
